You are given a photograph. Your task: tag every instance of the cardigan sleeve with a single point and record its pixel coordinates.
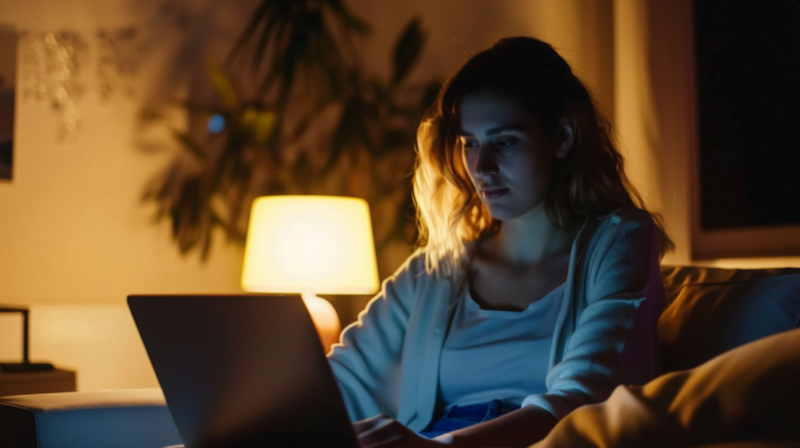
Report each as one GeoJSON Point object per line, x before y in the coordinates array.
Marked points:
{"type": "Point", "coordinates": [614, 341]}
{"type": "Point", "coordinates": [366, 363]}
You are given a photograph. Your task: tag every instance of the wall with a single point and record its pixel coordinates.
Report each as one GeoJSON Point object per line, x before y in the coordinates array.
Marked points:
{"type": "Point", "coordinates": [654, 108]}
{"type": "Point", "coordinates": [100, 342]}
{"type": "Point", "coordinates": [581, 31]}
{"type": "Point", "coordinates": [75, 239]}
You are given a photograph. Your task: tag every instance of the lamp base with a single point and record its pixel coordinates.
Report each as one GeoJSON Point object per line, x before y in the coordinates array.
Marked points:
{"type": "Point", "coordinates": [325, 319]}
{"type": "Point", "coordinates": [26, 367]}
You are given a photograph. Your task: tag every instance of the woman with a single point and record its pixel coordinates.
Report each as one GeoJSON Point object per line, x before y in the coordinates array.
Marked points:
{"type": "Point", "coordinates": [536, 288]}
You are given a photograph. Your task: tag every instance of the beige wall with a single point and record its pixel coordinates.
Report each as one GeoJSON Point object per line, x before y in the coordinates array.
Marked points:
{"type": "Point", "coordinates": [74, 240]}
{"type": "Point", "coordinates": [581, 30]}
{"type": "Point", "coordinates": [100, 342]}
{"type": "Point", "coordinates": [72, 227]}
{"type": "Point", "coordinates": [654, 108]}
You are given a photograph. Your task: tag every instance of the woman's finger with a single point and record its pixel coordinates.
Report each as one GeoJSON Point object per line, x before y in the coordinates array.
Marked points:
{"type": "Point", "coordinates": [384, 431]}
{"type": "Point", "coordinates": [369, 423]}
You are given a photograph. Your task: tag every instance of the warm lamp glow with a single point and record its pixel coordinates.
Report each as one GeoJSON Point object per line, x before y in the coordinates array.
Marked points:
{"type": "Point", "coordinates": [311, 245]}
{"type": "Point", "coordinates": [320, 244]}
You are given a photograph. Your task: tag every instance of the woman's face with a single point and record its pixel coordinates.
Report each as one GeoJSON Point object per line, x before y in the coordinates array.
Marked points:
{"type": "Point", "coordinates": [508, 156]}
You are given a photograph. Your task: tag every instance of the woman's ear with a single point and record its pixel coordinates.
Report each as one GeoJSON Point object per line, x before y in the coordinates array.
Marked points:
{"type": "Point", "coordinates": [566, 137]}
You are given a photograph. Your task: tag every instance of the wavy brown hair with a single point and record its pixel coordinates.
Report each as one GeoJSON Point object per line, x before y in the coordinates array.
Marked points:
{"type": "Point", "coordinates": [589, 181]}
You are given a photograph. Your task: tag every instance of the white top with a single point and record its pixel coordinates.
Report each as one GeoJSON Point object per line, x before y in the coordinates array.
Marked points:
{"type": "Point", "coordinates": [493, 354]}
{"type": "Point", "coordinates": [605, 335]}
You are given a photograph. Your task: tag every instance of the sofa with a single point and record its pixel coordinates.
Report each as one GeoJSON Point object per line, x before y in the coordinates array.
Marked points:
{"type": "Point", "coordinates": [711, 311]}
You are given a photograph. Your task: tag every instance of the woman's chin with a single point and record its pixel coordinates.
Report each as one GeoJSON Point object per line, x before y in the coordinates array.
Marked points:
{"type": "Point", "coordinates": [502, 213]}
{"type": "Point", "coordinates": [508, 212]}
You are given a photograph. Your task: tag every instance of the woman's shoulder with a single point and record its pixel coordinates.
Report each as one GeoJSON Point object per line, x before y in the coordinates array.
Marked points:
{"type": "Point", "coordinates": [629, 224]}
{"type": "Point", "coordinates": [413, 269]}
{"type": "Point", "coordinates": [411, 283]}
{"type": "Point", "coordinates": [626, 216]}
{"type": "Point", "coordinates": [621, 220]}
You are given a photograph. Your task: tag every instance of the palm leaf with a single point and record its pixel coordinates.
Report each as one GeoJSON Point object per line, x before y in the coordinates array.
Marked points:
{"type": "Point", "coordinates": [188, 142]}
{"type": "Point", "coordinates": [261, 11]}
{"type": "Point", "coordinates": [275, 26]}
{"type": "Point", "coordinates": [407, 50]}
{"type": "Point", "coordinates": [222, 84]}
{"type": "Point", "coordinates": [348, 19]}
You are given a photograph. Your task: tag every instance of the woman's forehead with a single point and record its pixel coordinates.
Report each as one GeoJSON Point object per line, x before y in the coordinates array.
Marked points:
{"type": "Point", "coordinates": [492, 112]}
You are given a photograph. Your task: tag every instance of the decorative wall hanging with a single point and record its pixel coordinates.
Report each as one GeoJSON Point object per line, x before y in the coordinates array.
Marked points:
{"type": "Point", "coordinates": [118, 57]}
{"type": "Point", "coordinates": [51, 68]}
{"type": "Point", "coordinates": [54, 66]}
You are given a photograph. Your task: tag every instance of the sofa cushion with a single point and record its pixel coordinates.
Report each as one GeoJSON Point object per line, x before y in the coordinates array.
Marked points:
{"type": "Point", "coordinates": [713, 310]}
{"type": "Point", "coordinates": [134, 418]}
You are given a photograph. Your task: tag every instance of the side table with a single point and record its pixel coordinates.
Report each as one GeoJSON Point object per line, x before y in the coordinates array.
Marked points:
{"type": "Point", "coordinates": [25, 383]}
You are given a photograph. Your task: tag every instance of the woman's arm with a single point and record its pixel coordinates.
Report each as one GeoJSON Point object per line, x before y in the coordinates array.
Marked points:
{"type": "Point", "coordinates": [614, 340]}
{"type": "Point", "coordinates": [366, 363]}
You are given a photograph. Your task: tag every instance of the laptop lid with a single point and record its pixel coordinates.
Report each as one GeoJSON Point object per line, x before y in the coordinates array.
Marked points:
{"type": "Point", "coordinates": [242, 370]}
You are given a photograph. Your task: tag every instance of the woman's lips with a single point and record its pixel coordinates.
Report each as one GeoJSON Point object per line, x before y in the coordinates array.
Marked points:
{"type": "Point", "coordinates": [494, 194]}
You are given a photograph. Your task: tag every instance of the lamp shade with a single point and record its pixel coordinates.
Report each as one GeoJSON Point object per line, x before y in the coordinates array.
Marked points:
{"type": "Point", "coordinates": [316, 244]}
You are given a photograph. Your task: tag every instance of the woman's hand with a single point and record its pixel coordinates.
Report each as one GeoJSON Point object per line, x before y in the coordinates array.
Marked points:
{"type": "Point", "coordinates": [384, 432]}
{"type": "Point", "coordinates": [517, 429]}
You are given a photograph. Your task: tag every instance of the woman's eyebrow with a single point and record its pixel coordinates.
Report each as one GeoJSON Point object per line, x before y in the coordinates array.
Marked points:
{"type": "Point", "coordinates": [497, 130]}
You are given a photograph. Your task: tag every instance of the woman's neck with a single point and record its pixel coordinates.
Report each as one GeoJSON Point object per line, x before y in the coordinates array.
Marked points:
{"type": "Point", "coordinates": [529, 239]}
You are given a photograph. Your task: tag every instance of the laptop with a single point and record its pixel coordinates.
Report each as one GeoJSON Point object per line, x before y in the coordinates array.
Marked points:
{"type": "Point", "coordinates": [242, 371]}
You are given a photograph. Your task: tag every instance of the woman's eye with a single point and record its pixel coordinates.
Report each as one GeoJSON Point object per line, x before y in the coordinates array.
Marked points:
{"type": "Point", "coordinates": [470, 144]}
{"type": "Point", "coordinates": [505, 143]}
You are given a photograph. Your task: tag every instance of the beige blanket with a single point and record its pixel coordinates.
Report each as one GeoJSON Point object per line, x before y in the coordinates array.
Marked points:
{"type": "Point", "coordinates": [747, 397]}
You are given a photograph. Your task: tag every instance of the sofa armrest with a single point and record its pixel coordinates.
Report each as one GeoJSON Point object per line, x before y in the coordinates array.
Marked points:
{"type": "Point", "coordinates": [135, 418]}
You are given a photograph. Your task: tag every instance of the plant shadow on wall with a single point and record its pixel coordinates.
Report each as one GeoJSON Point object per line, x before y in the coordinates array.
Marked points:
{"type": "Point", "coordinates": [296, 114]}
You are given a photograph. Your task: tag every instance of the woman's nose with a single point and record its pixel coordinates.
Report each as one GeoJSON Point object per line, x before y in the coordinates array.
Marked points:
{"type": "Point", "coordinates": [487, 165]}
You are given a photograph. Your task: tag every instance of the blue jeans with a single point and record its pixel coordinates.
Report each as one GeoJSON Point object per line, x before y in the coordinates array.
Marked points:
{"type": "Point", "coordinates": [456, 417]}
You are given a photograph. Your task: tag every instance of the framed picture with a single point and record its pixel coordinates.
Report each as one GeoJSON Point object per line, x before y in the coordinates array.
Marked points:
{"type": "Point", "coordinates": [8, 81]}
{"type": "Point", "coordinates": [747, 170]}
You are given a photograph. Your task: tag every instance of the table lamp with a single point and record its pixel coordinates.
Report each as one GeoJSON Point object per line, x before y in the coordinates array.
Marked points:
{"type": "Point", "coordinates": [311, 245]}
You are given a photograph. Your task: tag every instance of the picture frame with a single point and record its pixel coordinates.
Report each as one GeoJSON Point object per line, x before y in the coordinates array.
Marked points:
{"type": "Point", "coordinates": [8, 82]}
{"type": "Point", "coordinates": [746, 170]}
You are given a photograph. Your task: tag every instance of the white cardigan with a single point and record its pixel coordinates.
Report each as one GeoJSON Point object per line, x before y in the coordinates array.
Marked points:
{"type": "Point", "coordinates": [388, 361]}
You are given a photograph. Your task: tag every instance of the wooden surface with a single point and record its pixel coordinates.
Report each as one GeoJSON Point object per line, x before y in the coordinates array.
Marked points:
{"type": "Point", "coordinates": [24, 383]}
